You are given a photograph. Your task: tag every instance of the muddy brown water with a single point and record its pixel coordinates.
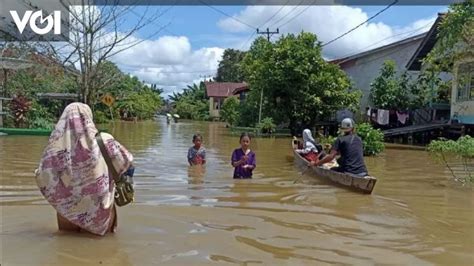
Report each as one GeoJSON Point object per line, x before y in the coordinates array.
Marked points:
{"type": "Point", "coordinates": [198, 216]}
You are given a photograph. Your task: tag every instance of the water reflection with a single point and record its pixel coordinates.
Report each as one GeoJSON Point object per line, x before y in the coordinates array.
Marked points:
{"type": "Point", "coordinates": [196, 174]}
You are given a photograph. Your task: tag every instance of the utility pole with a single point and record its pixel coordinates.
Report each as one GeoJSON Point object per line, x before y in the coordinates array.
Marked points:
{"type": "Point", "coordinates": [269, 34]}
{"type": "Point", "coordinates": [205, 77]}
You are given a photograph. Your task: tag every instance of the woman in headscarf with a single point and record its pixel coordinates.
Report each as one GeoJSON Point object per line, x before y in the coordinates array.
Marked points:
{"type": "Point", "coordinates": [309, 150]}
{"type": "Point", "coordinates": [73, 175]}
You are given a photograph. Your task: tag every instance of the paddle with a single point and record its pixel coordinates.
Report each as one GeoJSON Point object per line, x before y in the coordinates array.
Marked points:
{"type": "Point", "coordinates": [302, 174]}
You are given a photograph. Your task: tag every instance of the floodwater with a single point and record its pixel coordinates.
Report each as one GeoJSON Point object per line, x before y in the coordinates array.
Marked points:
{"type": "Point", "coordinates": [198, 216]}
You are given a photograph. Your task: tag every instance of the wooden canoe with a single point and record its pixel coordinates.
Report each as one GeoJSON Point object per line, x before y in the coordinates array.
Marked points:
{"type": "Point", "coordinates": [360, 184]}
{"type": "Point", "coordinates": [25, 131]}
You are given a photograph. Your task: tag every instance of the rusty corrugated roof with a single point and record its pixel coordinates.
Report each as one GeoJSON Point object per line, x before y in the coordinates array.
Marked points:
{"type": "Point", "coordinates": [224, 89]}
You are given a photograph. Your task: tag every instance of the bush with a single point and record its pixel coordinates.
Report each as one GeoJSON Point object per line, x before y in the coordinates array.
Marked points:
{"type": "Point", "coordinates": [266, 125]}
{"type": "Point", "coordinates": [229, 111]}
{"type": "Point", "coordinates": [40, 117]}
{"type": "Point", "coordinates": [462, 150]}
{"type": "Point", "coordinates": [19, 107]}
{"type": "Point", "coordinates": [100, 117]}
{"type": "Point", "coordinates": [326, 142]}
{"type": "Point", "coordinates": [41, 123]}
{"type": "Point", "coordinates": [372, 139]}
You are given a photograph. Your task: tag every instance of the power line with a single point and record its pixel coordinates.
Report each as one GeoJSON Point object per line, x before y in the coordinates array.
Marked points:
{"type": "Point", "coordinates": [297, 15]}
{"type": "Point", "coordinates": [353, 53]}
{"type": "Point", "coordinates": [268, 20]}
{"type": "Point", "coordinates": [227, 15]}
{"type": "Point", "coordinates": [389, 37]}
{"type": "Point", "coordinates": [356, 27]}
{"type": "Point", "coordinates": [276, 13]}
{"type": "Point", "coordinates": [188, 72]}
{"type": "Point", "coordinates": [250, 37]}
{"type": "Point", "coordinates": [291, 11]}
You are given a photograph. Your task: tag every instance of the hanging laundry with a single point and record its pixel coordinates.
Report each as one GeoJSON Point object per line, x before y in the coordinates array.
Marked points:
{"type": "Point", "coordinates": [373, 115]}
{"type": "Point", "coordinates": [367, 114]}
{"type": "Point", "coordinates": [402, 117]}
{"type": "Point", "coordinates": [383, 116]}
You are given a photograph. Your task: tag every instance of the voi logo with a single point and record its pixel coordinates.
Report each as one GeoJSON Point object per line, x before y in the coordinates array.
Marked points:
{"type": "Point", "coordinates": [53, 21]}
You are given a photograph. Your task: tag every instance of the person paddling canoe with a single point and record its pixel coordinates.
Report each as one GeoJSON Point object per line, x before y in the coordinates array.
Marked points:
{"type": "Point", "coordinates": [349, 146]}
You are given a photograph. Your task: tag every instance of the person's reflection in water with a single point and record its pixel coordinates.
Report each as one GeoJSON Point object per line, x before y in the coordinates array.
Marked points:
{"type": "Point", "coordinates": [241, 188]}
{"type": "Point", "coordinates": [196, 174]}
{"type": "Point", "coordinates": [69, 249]}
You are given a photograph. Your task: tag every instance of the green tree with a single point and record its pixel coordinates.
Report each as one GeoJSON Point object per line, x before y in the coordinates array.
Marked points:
{"type": "Point", "coordinates": [455, 38]}
{"type": "Point", "coordinates": [229, 111]}
{"type": "Point", "coordinates": [229, 69]}
{"type": "Point", "coordinates": [192, 103]}
{"type": "Point", "coordinates": [389, 91]}
{"type": "Point", "coordinates": [142, 104]}
{"type": "Point", "coordinates": [428, 88]}
{"type": "Point", "coordinates": [131, 95]}
{"type": "Point", "coordinates": [45, 74]}
{"type": "Point", "coordinates": [297, 83]}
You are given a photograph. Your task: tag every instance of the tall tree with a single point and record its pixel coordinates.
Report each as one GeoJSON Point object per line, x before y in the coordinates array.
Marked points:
{"type": "Point", "coordinates": [229, 67]}
{"type": "Point", "coordinates": [192, 103]}
{"type": "Point", "coordinates": [298, 85]}
{"type": "Point", "coordinates": [97, 33]}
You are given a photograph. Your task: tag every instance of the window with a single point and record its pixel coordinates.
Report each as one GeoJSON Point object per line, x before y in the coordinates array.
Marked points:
{"type": "Point", "coordinates": [465, 82]}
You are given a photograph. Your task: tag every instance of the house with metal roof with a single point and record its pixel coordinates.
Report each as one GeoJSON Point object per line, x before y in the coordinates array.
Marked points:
{"type": "Point", "coordinates": [219, 91]}
{"type": "Point", "coordinates": [363, 68]}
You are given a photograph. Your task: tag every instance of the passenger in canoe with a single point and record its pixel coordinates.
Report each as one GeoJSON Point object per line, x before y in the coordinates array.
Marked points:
{"type": "Point", "coordinates": [243, 159]}
{"type": "Point", "coordinates": [349, 147]}
{"type": "Point", "coordinates": [197, 153]}
{"type": "Point", "coordinates": [309, 149]}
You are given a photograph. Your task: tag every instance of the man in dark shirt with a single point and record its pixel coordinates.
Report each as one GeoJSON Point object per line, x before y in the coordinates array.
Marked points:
{"type": "Point", "coordinates": [349, 146]}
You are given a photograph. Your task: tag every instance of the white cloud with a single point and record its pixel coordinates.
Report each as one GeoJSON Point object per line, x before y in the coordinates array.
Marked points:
{"type": "Point", "coordinates": [328, 22]}
{"type": "Point", "coordinates": [169, 62]}
{"type": "Point", "coordinates": [167, 50]}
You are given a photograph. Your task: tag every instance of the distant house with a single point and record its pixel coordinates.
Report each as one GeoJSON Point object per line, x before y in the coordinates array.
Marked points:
{"type": "Point", "coordinates": [462, 92]}
{"type": "Point", "coordinates": [219, 91]}
{"type": "Point", "coordinates": [364, 67]}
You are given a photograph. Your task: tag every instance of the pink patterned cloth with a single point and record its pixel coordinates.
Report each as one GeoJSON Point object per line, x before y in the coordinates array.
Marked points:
{"type": "Point", "coordinates": [73, 175]}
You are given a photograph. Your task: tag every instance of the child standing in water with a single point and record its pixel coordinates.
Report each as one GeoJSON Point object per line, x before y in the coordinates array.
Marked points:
{"type": "Point", "coordinates": [243, 159]}
{"type": "Point", "coordinates": [197, 153]}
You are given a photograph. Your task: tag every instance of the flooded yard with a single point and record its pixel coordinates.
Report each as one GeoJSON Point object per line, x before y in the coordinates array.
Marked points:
{"type": "Point", "coordinates": [416, 214]}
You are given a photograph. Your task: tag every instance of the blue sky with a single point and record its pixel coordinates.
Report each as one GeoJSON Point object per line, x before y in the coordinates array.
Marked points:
{"type": "Point", "coordinates": [199, 23]}
{"type": "Point", "coordinates": [192, 44]}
